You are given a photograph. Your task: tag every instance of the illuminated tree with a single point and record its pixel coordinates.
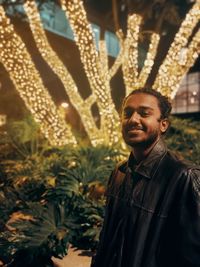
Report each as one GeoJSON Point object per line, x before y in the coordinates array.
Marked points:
{"type": "Point", "coordinates": [95, 64]}
{"type": "Point", "coordinates": [28, 83]}
{"type": "Point", "coordinates": [182, 54]}
{"type": "Point", "coordinates": [83, 107]}
{"type": "Point", "coordinates": [180, 57]}
{"type": "Point", "coordinates": [96, 70]}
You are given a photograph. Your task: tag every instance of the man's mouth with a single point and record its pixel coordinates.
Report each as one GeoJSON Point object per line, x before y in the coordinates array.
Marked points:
{"type": "Point", "coordinates": [135, 130]}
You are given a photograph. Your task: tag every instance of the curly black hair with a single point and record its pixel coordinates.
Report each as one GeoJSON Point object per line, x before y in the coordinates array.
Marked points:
{"type": "Point", "coordinates": [163, 101]}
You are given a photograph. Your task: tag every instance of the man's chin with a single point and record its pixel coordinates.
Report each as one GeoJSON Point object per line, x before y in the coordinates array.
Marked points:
{"type": "Point", "coordinates": [134, 142]}
{"type": "Point", "coordinates": [141, 142]}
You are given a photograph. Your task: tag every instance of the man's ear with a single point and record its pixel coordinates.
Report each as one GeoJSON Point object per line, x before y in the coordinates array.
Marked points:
{"type": "Point", "coordinates": [164, 124]}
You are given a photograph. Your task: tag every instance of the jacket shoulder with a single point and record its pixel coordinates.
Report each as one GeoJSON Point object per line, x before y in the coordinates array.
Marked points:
{"type": "Point", "coordinates": [193, 174]}
{"type": "Point", "coordinates": [188, 172]}
{"type": "Point", "coordinates": [172, 165]}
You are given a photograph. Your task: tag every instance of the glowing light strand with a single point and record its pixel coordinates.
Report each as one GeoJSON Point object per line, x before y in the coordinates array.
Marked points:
{"type": "Point", "coordinates": [172, 70]}
{"type": "Point", "coordinates": [133, 79]}
{"type": "Point", "coordinates": [149, 61]}
{"type": "Point", "coordinates": [26, 79]}
{"type": "Point", "coordinates": [103, 58]}
{"type": "Point", "coordinates": [118, 61]}
{"type": "Point", "coordinates": [130, 62]}
{"type": "Point", "coordinates": [99, 76]}
{"type": "Point", "coordinates": [191, 56]}
{"type": "Point", "coordinates": [58, 67]}
{"type": "Point", "coordinates": [93, 68]}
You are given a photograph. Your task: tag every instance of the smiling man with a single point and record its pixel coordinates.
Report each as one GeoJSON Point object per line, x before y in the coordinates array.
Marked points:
{"type": "Point", "coordinates": [153, 199]}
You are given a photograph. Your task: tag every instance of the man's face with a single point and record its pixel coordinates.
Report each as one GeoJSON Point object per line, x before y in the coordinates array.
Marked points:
{"type": "Point", "coordinates": [141, 123]}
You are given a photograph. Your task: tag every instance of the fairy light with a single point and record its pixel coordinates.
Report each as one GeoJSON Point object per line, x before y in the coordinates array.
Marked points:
{"type": "Point", "coordinates": [58, 67]}
{"type": "Point", "coordinates": [173, 68]}
{"type": "Point", "coordinates": [149, 61]}
{"type": "Point", "coordinates": [2, 120]}
{"type": "Point", "coordinates": [96, 66]}
{"type": "Point", "coordinates": [103, 57]}
{"type": "Point", "coordinates": [180, 57]}
{"type": "Point", "coordinates": [116, 65]}
{"type": "Point", "coordinates": [132, 77]}
{"type": "Point", "coordinates": [99, 82]}
{"type": "Point", "coordinates": [26, 79]}
{"type": "Point", "coordinates": [90, 100]}
{"type": "Point", "coordinates": [118, 61]}
{"type": "Point", "coordinates": [130, 62]}
{"type": "Point", "coordinates": [190, 58]}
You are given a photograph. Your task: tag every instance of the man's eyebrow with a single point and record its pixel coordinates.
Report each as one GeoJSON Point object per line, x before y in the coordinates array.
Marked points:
{"type": "Point", "coordinates": [146, 107]}
{"type": "Point", "coordinates": [140, 107]}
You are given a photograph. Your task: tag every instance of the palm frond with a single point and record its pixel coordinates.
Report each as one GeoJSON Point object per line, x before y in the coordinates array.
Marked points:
{"type": "Point", "coordinates": [42, 230]}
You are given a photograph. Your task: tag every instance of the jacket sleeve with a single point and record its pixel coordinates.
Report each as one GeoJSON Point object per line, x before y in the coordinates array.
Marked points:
{"type": "Point", "coordinates": [189, 220]}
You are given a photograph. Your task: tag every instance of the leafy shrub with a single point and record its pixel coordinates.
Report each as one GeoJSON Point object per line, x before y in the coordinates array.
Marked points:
{"type": "Point", "coordinates": [184, 139]}
{"type": "Point", "coordinates": [53, 196]}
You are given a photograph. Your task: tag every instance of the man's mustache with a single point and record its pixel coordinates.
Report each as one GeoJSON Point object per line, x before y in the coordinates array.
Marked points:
{"type": "Point", "coordinates": [135, 128]}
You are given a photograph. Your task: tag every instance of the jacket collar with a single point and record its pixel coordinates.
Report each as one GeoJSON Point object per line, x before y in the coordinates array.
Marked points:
{"type": "Point", "coordinates": [148, 166]}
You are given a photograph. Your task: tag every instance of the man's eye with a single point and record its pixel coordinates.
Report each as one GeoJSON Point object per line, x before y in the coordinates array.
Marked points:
{"type": "Point", "coordinates": [145, 113]}
{"type": "Point", "coordinates": [127, 114]}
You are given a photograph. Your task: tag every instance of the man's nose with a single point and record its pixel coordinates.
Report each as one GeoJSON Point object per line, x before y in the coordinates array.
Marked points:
{"type": "Point", "coordinates": [135, 117]}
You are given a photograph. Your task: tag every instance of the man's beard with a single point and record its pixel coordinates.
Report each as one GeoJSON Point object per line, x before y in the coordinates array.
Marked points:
{"type": "Point", "coordinates": [144, 144]}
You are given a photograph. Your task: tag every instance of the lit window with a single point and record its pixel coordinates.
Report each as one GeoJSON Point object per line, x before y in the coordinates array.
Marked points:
{"type": "Point", "coordinates": [188, 96]}
{"type": "Point", "coordinates": [112, 44]}
{"type": "Point", "coordinates": [96, 32]}
{"type": "Point", "coordinates": [54, 20]}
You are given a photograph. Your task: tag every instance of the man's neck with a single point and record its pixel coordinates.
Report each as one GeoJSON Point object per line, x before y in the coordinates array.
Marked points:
{"type": "Point", "coordinates": [140, 153]}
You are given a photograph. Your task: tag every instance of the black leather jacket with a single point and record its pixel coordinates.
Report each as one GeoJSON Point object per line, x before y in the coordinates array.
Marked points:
{"type": "Point", "coordinates": [152, 215]}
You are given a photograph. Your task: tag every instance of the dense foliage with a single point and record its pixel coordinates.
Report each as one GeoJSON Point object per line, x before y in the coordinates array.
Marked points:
{"type": "Point", "coordinates": [183, 138]}
{"type": "Point", "coordinates": [52, 197]}
{"type": "Point", "coordinates": [49, 196]}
